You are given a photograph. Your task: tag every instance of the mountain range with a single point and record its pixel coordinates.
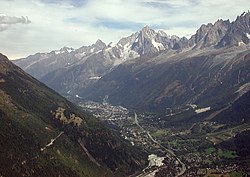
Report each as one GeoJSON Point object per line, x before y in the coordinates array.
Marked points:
{"type": "Point", "coordinates": [198, 88]}
{"type": "Point", "coordinates": [150, 70]}
{"type": "Point", "coordinates": [43, 134]}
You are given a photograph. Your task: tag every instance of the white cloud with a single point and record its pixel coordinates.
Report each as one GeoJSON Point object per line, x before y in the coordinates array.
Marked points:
{"type": "Point", "coordinates": [7, 21]}
{"type": "Point", "coordinates": [4, 19]}
{"type": "Point", "coordinates": [81, 22]}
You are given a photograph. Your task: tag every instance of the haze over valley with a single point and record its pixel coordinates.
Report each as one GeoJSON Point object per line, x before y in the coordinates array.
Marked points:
{"type": "Point", "coordinates": [150, 103]}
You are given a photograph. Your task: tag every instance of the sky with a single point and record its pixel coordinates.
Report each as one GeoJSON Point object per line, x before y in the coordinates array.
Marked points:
{"type": "Point", "coordinates": [31, 26]}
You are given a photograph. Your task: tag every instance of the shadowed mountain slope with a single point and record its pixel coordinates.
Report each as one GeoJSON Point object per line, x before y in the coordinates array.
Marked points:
{"type": "Point", "coordinates": [43, 134]}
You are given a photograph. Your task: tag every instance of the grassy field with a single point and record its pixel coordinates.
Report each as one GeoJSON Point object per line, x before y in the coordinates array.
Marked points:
{"type": "Point", "coordinates": [227, 154]}
{"type": "Point", "coordinates": [210, 150]}
{"type": "Point", "coordinates": [159, 133]}
{"type": "Point", "coordinates": [237, 174]}
{"type": "Point", "coordinates": [232, 174]}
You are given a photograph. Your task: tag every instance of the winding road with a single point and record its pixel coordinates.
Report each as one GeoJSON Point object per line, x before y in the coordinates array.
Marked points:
{"type": "Point", "coordinates": [169, 151]}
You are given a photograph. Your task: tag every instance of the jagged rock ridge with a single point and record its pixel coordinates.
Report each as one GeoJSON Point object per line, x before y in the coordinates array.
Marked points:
{"type": "Point", "coordinates": [146, 50]}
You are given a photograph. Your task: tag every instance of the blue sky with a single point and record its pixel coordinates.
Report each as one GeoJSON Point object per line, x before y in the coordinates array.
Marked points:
{"type": "Point", "coordinates": [31, 26]}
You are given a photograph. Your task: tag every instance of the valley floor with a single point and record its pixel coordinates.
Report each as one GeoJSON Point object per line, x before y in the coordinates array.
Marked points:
{"type": "Point", "coordinates": [185, 150]}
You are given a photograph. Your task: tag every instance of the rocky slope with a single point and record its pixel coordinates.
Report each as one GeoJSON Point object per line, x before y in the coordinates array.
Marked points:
{"type": "Point", "coordinates": [209, 78]}
{"type": "Point", "coordinates": [150, 69]}
{"type": "Point", "coordinates": [204, 72]}
{"type": "Point", "coordinates": [238, 32]}
{"type": "Point", "coordinates": [69, 71]}
{"type": "Point", "coordinates": [42, 134]}
{"type": "Point", "coordinates": [40, 64]}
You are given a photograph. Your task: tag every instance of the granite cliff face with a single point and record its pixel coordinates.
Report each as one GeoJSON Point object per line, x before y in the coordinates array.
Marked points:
{"type": "Point", "coordinates": [40, 64]}
{"type": "Point", "coordinates": [238, 32]}
{"type": "Point", "coordinates": [207, 78]}
{"type": "Point", "coordinates": [68, 70]}
{"type": "Point", "coordinates": [156, 69]}
{"type": "Point", "coordinates": [210, 34]}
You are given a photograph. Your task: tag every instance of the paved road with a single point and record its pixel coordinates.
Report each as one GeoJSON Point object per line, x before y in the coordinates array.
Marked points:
{"type": "Point", "coordinates": [169, 151]}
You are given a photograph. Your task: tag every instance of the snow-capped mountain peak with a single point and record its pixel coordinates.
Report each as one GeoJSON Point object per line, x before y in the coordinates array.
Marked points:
{"type": "Point", "coordinates": [147, 32]}
{"type": "Point", "coordinates": [163, 33]}
{"type": "Point", "coordinates": [100, 43]}
{"type": "Point", "coordinates": [98, 59]}
{"type": "Point", "coordinates": [144, 42]}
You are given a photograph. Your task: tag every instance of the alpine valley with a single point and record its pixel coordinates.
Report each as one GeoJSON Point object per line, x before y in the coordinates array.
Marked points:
{"type": "Point", "coordinates": [182, 103]}
{"type": "Point", "coordinates": [43, 134]}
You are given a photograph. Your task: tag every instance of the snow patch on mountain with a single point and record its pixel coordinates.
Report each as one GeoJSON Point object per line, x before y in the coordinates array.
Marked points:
{"type": "Point", "coordinates": [70, 50]}
{"type": "Point", "coordinates": [248, 35]}
{"type": "Point", "coordinates": [162, 33]}
{"type": "Point", "coordinates": [59, 52]}
{"type": "Point", "coordinates": [80, 55]}
{"type": "Point", "coordinates": [157, 45]}
{"type": "Point", "coordinates": [126, 50]}
{"type": "Point", "coordinates": [92, 50]}
{"type": "Point", "coordinates": [241, 43]}
{"type": "Point", "coordinates": [137, 39]}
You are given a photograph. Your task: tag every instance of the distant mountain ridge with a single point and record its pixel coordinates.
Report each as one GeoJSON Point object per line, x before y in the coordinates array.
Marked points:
{"type": "Point", "coordinates": [83, 71]}
{"type": "Point", "coordinates": [85, 65]}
